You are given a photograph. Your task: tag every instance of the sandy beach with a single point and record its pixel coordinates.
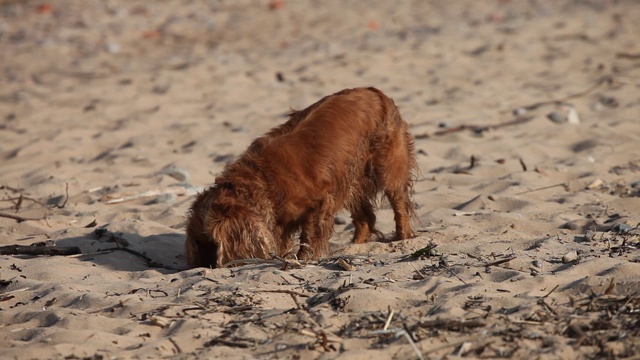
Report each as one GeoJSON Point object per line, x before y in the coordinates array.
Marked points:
{"type": "Point", "coordinates": [526, 118]}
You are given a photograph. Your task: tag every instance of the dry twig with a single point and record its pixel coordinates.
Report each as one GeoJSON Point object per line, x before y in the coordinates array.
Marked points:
{"type": "Point", "coordinates": [285, 291]}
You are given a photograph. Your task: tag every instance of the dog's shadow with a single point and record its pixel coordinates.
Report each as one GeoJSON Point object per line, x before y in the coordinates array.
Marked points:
{"type": "Point", "coordinates": [130, 251]}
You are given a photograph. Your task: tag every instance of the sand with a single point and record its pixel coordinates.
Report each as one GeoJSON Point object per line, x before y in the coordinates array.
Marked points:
{"type": "Point", "coordinates": [113, 114]}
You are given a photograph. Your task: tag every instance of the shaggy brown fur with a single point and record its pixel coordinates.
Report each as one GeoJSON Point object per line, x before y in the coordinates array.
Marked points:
{"type": "Point", "coordinates": [338, 153]}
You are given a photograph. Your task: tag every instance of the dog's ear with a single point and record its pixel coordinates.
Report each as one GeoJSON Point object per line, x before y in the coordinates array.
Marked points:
{"type": "Point", "coordinates": [200, 249]}
{"type": "Point", "coordinates": [241, 234]}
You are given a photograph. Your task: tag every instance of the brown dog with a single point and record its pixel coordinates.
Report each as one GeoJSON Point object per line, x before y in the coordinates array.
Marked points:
{"type": "Point", "coordinates": [338, 153]}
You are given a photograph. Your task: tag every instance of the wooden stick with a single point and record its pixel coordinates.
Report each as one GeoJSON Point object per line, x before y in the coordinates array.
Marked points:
{"type": "Point", "coordinates": [386, 324]}
{"type": "Point", "coordinates": [552, 290]}
{"type": "Point", "coordinates": [417, 272]}
{"type": "Point", "coordinates": [39, 250]}
{"type": "Point", "coordinates": [498, 262]}
{"type": "Point", "coordinates": [9, 294]}
{"type": "Point", "coordinates": [17, 217]}
{"type": "Point", "coordinates": [228, 343]}
{"type": "Point", "coordinates": [456, 275]}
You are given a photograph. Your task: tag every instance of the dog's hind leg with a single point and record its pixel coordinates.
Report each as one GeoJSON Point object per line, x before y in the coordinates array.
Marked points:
{"type": "Point", "coordinates": [394, 166]}
{"type": "Point", "coordinates": [399, 199]}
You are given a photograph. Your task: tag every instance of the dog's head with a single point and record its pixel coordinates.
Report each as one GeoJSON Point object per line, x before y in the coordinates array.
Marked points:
{"type": "Point", "coordinates": [223, 226]}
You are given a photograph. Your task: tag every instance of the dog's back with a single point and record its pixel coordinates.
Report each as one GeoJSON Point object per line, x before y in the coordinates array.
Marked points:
{"type": "Point", "coordinates": [326, 149]}
{"type": "Point", "coordinates": [340, 153]}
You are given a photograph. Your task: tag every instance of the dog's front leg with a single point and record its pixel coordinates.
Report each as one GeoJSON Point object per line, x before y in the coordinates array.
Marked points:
{"type": "Point", "coordinates": [316, 232]}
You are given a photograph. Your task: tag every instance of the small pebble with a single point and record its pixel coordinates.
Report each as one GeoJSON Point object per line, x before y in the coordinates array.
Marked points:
{"type": "Point", "coordinates": [534, 272]}
{"type": "Point", "coordinates": [226, 158]}
{"type": "Point", "coordinates": [595, 184]}
{"type": "Point", "coordinates": [161, 88]}
{"type": "Point", "coordinates": [571, 225]}
{"type": "Point", "coordinates": [345, 265]}
{"type": "Point", "coordinates": [572, 116]}
{"type": "Point", "coordinates": [571, 256]}
{"type": "Point", "coordinates": [160, 321]}
{"type": "Point", "coordinates": [113, 48]}
{"type": "Point", "coordinates": [176, 173]}
{"type": "Point", "coordinates": [537, 264]}
{"type": "Point", "coordinates": [589, 235]}
{"type": "Point", "coordinates": [339, 220]}
{"type": "Point", "coordinates": [557, 117]}
{"type": "Point", "coordinates": [239, 129]}
{"type": "Point", "coordinates": [163, 199]}
{"type": "Point", "coordinates": [597, 106]}
{"type": "Point", "coordinates": [621, 228]}
{"type": "Point", "coordinates": [608, 101]}
{"type": "Point", "coordinates": [519, 111]}
{"type": "Point", "coordinates": [579, 224]}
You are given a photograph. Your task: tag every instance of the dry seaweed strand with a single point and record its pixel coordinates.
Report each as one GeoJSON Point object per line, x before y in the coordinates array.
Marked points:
{"type": "Point", "coordinates": [398, 333]}
{"type": "Point", "coordinates": [524, 166]}
{"type": "Point", "coordinates": [597, 84]}
{"type": "Point", "coordinates": [285, 291]}
{"type": "Point", "coordinates": [520, 119]}
{"type": "Point", "coordinates": [277, 260]}
{"type": "Point", "coordinates": [66, 198]}
{"type": "Point", "coordinates": [477, 128]}
{"type": "Point", "coordinates": [542, 188]}
{"type": "Point", "coordinates": [450, 324]}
